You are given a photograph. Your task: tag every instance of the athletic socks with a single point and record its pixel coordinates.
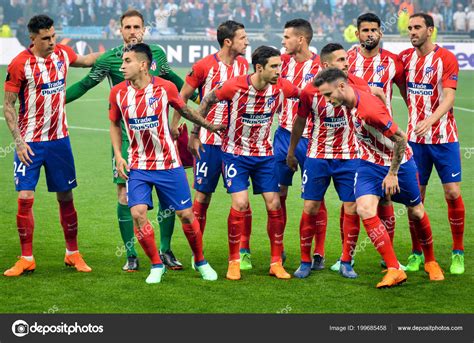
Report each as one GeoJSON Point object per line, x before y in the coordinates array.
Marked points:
{"type": "Point", "coordinates": [194, 237]}
{"type": "Point", "coordinates": [456, 215]}
{"type": "Point", "coordinates": [425, 236]}
{"type": "Point", "coordinates": [68, 219]}
{"type": "Point", "coordinates": [415, 244]}
{"type": "Point", "coordinates": [200, 211]}
{"type": "Point", "coordinates": [126, 228]}
{"type": "Point", "coordinates": [321, 222]}
{"type": "Point", "coordinates": [25, 224]}
{"type": "Point", "coordinates": [380, 239]}
{"type": "Point", "coordinates": [146, 238]}
{"type": "Point", "coordinates": [275, 230]}
{"type": "Point", "coordinates": [351, 234]}
{"type": "Point", "coordinates": [387, 216]}
{"type": "Point", "coordinates": [247, 230]}
{"type": "Point", "coordinates": [166, 220]}
{"type": "Point", "coordinates": [235, 226]}
{"type": "Point", "coordinates": [307, 231]}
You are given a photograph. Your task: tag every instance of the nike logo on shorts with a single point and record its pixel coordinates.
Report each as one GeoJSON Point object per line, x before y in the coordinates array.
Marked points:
{"type": "Point", "coordinates": [185, 201]}
{"type": "Point", "coordinates": [454, 175]}
{"type": "Point", "coordinates": [412, 201]}
{"type": "Point", "coordinates": [71, 181]}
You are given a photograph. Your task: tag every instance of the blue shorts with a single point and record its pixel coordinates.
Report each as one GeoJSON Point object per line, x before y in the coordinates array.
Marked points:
{"type": "Point", "coordinates": [369, 178]}
{"type": "Point", "coordinates": [208, 169]}
{"type": "Point", "coordinates": [445, 157]}
{"type": "Point", "coordinates": [56, 157]}
{"type": "Point", "coordinates": [317, 176]}
{"type": "Point", "coordinates": [281, 143]}
{"type": "Point", "coordinates": [238, 170]}
{"type": "Point", "coordinates": [171, 187]}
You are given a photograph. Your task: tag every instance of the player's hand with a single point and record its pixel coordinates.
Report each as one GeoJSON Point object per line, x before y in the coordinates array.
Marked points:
{"type": "Point", "coordinates": [423, 126]}
{"type": "Point", "coordinates": [219, 129]}
{"type": "Point", "coordinates": [24, 151]}
{"type": "Point", "coordinates": [292, 162]}
{"type": "Point", "coordinates": [194, 145]}
{"type": "Point", "coordinates": [390, 184]}
{"type": "Point", "coordinates": [121, 166]}
{"type": "Point", "coordinates": [174, 132]}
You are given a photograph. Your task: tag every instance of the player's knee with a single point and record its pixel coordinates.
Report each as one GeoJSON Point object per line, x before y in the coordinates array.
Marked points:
{"type": "Point", "coordinates": [122, 194]}
{"type": "Point", "coordinates": [283, 190]}
{"type": "Point", "coordinates": [26, 195]}
{"type": "Point", "coordinates": [452, 193]}
{"type": "Point", "coordinates": [203, 198]}
{"type": "Point", "coordinates": [350, 208]}
{"type": "Point", "coordinates": [138, 213]}
{"type": "Point", "coordinates": [366, 211]}
{"type": "Point", "coordinates": [311, 207]}
{"type": "Point", "coordinates": [417, 212]}
{"type": "Point", "coordinates": [64, 196]}
{"type": "Point", "coordinates": [186, 216]}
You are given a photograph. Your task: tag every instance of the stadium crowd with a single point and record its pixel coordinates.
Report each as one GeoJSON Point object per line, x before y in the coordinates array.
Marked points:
{"type": "Point", "coordinates": [171, 16]}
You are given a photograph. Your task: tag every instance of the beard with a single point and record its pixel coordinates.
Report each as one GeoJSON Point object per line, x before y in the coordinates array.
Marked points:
{"type": "Point", "coordinates": [371, 44]}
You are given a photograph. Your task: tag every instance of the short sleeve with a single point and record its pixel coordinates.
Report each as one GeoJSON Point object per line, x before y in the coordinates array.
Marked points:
{"type": "Point", "coordinates": [374, 112]}
{"type": "Point", "coordinates": [70, 53]}
{"type": "Point", "coordinates": [226, 91]}
{"type": "Point", "coordinates": [174, 98]}
{"type": "Point", "coordinates": [114, 111]}
{"type": "Point", "coordinates": [195, 77]}
{"type": "Point", "coordinates": [15, 77]}
{"type": "Point", "coordinates": [289, 89]}
{"type": "Point", "coordinates": [306, 101]}
{"type": "Point", "coordinates": [450, 71]}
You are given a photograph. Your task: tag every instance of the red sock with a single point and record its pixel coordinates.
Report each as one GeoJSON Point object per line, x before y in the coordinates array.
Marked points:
{"type": "Point", "coordinates": [200, 210]}
{"type": "Point", "coordinates": [456, 215]}
{"type": "Point", "coordinates": [247, 230]}
{"type": "Point", "coordinates": [146, 238]}
{"type": "Point", "coordinates": [275, 230]}
{"type": "Point", "coordinates": [235, 226]}
{"type": "Point", "coordinates": [321, 225]}
{"type": "Point", "coordinates": [351, 234]}
{"type": "Point", "coordinates": [387, 216]}
{"type": "Point", "coordinates": [425, 236]}
{"type": "Point", "coordinates": [415, 244]}
{"type": "Point", "coordinates": [307, 230]}
{"type": "Point", "coordinates": [283, 207]}
{"type": "Point", "coordinates": [380, 239]}
{"type": "Point", "coordinates": [194, 237]}
{"type": "Point", "coordinates": [26, 224]}
{"type": "Point", "coordinates": [68, 218]}
{"type": "Point", "coordinates": [341, 223]}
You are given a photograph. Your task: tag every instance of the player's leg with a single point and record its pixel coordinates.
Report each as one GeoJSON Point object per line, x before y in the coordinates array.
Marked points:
{"type": "Point", "coordinates": [387, 216]}
{"type": "Point", "coordinates": [424, 162]}
{"type": "Point", "coordinates": [61, 179]}
{"type": "Point", "coordinates": [368, 191]}
{"type": "Point", "coordinates": [173, 191]}
{"type": "Point", "coordinates": [26, 178]}
{"type": "Point", "coordinates": [140, 185]}
{"type": "Point", "coordinates": [448, 166]}
{"type": "Point", "coordinates": [166, 219]}
{"type": "Point", "coordinates": [124, 217]}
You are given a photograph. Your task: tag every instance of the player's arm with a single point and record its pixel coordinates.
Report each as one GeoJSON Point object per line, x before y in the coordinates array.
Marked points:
{"type": "Point", "coordinates": [186, 93]}
{"type": "Point", "coordinates": [198, 119]}
{"type": "Point", "coordinates": [296, 132]}
{"type": "Point", "coordinates": [390, 183]}
{"type": "Point", "coordinates": [116, 138]}
{"type": "Point", "coordinates": [449, 95]}
{"type": "Point", "coordinates": [81, 87]}
{"type": "Point", "coordinates": [23, 149]}
{"type": "Point", "coordinates": [378, 92]}
{"type": "Point", "coordinates": [87, 60]}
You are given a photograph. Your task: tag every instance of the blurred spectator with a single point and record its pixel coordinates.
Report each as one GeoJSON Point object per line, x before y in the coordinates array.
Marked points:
{"type": "Point", "coordinates": [349, 32]}
{"type": "Point", "coordinates": [459, 19]}
{"type": "Point", "coordinates": [183, 20]}
{"type": "Point", "coordinates": [403, 18]}
{"type": "Point", "coordinates": [470, 19]}
{"type": "Point", "coordinates": [350, 11]}
{"type": "Point", "coordinates": [161, 18]}
{"type": "Point", "coordinates": [12, 11]}
{"type": "Point", "coordinates": [240, 15]}
{"type": "Point", "coordinates": [224, 13]}
{"type": "Point", "coordinates": [254, 16]}
{"type": "Point", "coordinates": [447, 10]}
{"type": "Point", "coordinates": [111, 31]}
{"type": "Point", "coordinates": [407, 6]}
{"type": "Point", "coordinates": [437, 18]}
{"type": "Point", "coordinates": [389, 25]}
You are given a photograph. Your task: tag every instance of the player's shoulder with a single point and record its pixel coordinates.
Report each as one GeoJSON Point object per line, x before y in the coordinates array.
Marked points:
{"type": "Point", "coordinates": [207, 62]}
{"type": "Point", "coordinates": [356, 81]}
{"type": "Point", "coordinates": [405, 54]}
{"type": "Point", "coordinates": [445, 53]}
{"type": "Point", "coordinates": [389, 54]}
{"type": "Point", "coordinates": [285, 58]}
{"type": "Point", "coordinates": [20, 59]}
{"type": "Point", "coordinates": [119, 87]}
{"type": "Point", "coordinates": [352, 52]}
{"type": "Point", "coordinates": [160, 82]}
{"type": "Point", "coordinates": [157, 52]}
{"type": "Point", "coordinates": [242, 60]}
{"type": "Point", "coordinates": [310, 89]}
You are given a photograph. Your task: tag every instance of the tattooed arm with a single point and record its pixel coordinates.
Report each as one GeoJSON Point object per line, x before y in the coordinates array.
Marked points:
{"type": "Point", "coordinates": [23, 150]}
{"type": "Point", "coordinates": [198, 118]}
{"type": "Point", "coordinates": [205, 106]}
{"type": "Point", "coordinates": [390, 183]}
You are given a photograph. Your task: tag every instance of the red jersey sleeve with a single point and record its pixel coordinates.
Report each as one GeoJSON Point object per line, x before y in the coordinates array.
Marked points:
{"type": "Point", "coordinates": [450, 71]}
{"type": "Point", "coordinates": [15, 76]}
{"type": "Point", "coordinates": [374, 112]}
{"type": "Point", "coordinates": [227, 90]}
{"type": "Point", "coordinates": [289, 89]}
{"type": "Point", "coordinates": [114, 110]}
{"type": "Point", "coordinates": [306, 101]}
{"type": "Point", "coordinates": [70, 53]}
{"type": "Point", "coordinates": [195, 77]}
{"type": "Point", "coordinates": [174, 98]}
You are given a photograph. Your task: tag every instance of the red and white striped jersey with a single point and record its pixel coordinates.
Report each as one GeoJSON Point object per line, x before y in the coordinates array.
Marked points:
{"type": "Point", "coordinates": [426, 76]}
{"type": "Point", "coordinates": [206, 75]}
{"type": "Point", "coordinates": [381, 70]}
{"type": "Point", "coordinates": [251, 114]}
{"type": "Point", "coordinates": [333, 134]}
{"type": "Point", "coordinates": [374, 127]}
{"type": "Point", "coordinates": [299, 74]}
{"type": "Point", "coordinates": [41, 87]}
{"type": "Point", "coordinates": [145, 115]}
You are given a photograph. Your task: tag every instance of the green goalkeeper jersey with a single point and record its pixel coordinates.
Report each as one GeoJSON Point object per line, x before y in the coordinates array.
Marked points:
{"type": "Point", "coordinates": [108, 65]}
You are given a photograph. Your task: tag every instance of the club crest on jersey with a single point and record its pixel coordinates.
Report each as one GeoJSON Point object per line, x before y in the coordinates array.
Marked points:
{"type": "Point", "coordinates": [429, 71]}
{"type": "Point", "coordinates": [271, 100]}
{"type": "Point", "coordinates": [308, 77]}
{"type": "Point", "coordinates": [60, 66]}
{"type": "Point", "coordinates": [153, 102]}
{"type": "Point", "coordinates": [380, 69]}
{"type": "Point", "coordinates": [153, 65]}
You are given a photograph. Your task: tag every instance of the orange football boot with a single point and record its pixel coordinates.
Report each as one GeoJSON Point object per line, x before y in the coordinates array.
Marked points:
{"type": "Point", "coordinates": [276, 269]}
{"type": "Point", "coordinates": [76, 260]}
{"type": "Point", "coordinates": [434, 271]}
{"type": "Point", "coordinates": [394, 277]}
{"type": "Point", "coordinates": [233, 271]}
{"type": "Point", "coordinates": [22, 266]}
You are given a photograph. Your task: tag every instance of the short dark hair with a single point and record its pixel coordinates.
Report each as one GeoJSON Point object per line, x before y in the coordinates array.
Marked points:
{"type": "Point", "coordinates": [329, 75]}
{"type": "Point", "coordinates": [328, 49]}
{"type": "Point", "coordinates": [428, 19]}
{"type": "Point", "coordinates": [301, 25]}
{"type": "Point", "coordinates": [131, 13]}
{"type": "Point", "coordinates": [368, 17]}
{"type": "Point", "coordinates": [141, 48]}
{"type": "Point", "coordinates": [39, 22]}
{"type": "Point", "coordinates": [227, 30]}
{"type": "Point", "coordinates": [262, 54]}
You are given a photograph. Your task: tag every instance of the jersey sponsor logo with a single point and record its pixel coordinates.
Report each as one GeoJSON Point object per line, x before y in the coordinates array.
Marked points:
{"type": "Point", "coordinates": [141, 124]}
{"type": "Point", "coordinates": [256, 118]}
{"type": "Point", "coordinates": [376, 84]}
{"type": "Point", "coordinates": [52, 87]}
{"type": "Point", "coordinates": [153, 102]}
{"type": "Point", "coordinates": [335, 122]}
{"type": "Point", "coordinates": [415, 88]}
